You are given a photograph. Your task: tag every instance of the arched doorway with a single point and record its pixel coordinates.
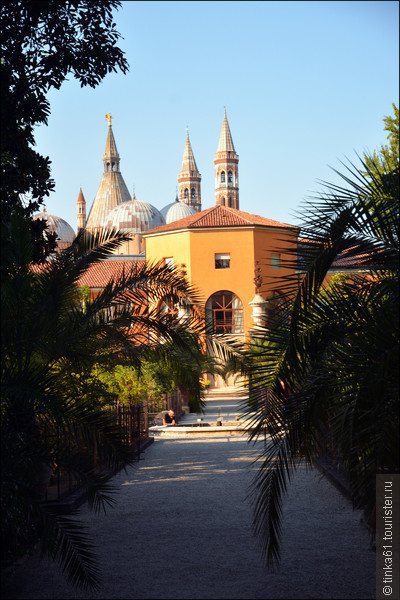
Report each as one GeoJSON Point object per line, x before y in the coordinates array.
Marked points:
{"type": "Point", "coordinates": [224, 315]}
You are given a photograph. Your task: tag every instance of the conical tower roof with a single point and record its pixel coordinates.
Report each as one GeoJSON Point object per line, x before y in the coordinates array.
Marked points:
{"type": "Point", "coordinates": [225, 139]}
{"type": "Point", "coordinates": [81, 198]}
{"type": "Point", "coordinates": [110, 151]}
{"type": "Point", "coordinates": [112, 190]}
{"type": "Point", "coordinates": [189, 167]}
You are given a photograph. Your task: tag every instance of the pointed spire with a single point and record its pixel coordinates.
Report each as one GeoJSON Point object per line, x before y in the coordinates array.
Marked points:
{"type": "Point", "coordinates": [226, 163]}
{"type": "Point", "coordinates": [188, 162]}
{"type": "Point", "coordinates": [225, 139]}
{"type": "Point", "coordinates": [189, 178]}
{"type": "Point", "coordinates": [111, 156]}
{"type": "Point", "coordinates": [112, 190]}
{"type": "Point", "coordinates": [81, 197]}
{"type": "Point", "coordinates": [81, 210]}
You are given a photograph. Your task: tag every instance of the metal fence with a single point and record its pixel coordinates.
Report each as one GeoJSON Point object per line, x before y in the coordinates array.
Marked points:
{"type": "Point", "coordinates": [134, 422]}
{"type": "Point", "coordinates": [134, 426]}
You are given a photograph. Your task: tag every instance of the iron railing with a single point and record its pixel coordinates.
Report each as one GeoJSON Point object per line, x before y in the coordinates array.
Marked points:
{"type": "Point", "coordinates": [134, 425]}
{"type": "Point", "coordinates": [134, 422]}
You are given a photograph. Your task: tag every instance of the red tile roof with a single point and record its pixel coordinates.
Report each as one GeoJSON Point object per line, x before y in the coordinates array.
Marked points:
{"type": "Point", "coordinates": [349, 259]}
{"type": "Point", "coordinates": [99, 274]}
{"type": "Point", "coordinates": [218, 216]}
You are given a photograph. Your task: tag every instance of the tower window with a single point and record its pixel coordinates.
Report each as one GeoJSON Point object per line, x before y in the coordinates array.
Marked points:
{"type": "Point", "coordinates": [186, 193]}
{"type": "Point", "coordinates": [230, 201]}
{"type": "Point", "coordinates": [222, 176]}
{"type": "Point", "coordinates": [193, 194]}
{"type": "Point", "coordinates": [230, 177]}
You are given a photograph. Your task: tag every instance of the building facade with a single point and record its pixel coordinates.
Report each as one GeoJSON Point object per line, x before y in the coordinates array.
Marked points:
{"type": "Point", "coordinates": [233, 258]}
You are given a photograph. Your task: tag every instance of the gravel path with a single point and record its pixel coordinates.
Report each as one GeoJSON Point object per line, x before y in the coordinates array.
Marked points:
{"type": "Point", "coordinates": [182, 529]}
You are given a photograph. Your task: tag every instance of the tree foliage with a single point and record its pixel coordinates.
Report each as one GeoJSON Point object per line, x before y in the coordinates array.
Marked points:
{"type": "Point", "coordinates": [127, 385]}
{"type": "Point", "coordinates": [386, 160]}
{"type": "Point", "coordinates": [41, 44]}
{"type": "Point", "coordinates": [326, 376]}
{"type": "Point", "coordinates": [49, 401]}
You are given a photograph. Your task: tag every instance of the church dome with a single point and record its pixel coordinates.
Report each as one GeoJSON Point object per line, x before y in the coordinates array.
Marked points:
{"type": "Point", "coordinates": [134, 216]}
{"type": "Point", "coordinates": [65, 233]}
{"type": "Point", "coordinates": [177, 210]}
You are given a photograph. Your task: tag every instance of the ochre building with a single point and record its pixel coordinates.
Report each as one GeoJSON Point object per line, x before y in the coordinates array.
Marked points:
{"type": "Point", "coordinates": [232, 257]}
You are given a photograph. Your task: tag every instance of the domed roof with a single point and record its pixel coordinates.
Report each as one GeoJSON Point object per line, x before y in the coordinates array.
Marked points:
{"type": "Point", "coordinates": [134, 216]}
{"type": "Point", "coordinates": [177, 210]}
{"type": "Point", "coordinates": [55, 224]}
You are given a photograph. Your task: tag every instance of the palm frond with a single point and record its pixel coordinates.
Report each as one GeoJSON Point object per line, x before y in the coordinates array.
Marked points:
{"type": "Point", "coordinates": [325, 374]}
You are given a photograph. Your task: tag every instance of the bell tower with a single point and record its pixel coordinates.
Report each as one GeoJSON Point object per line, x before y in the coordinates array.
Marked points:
{"type": "Point", "coordinates": [81, 210]}
{"type": "Point", "coordinates": [226, 163]}
{"type": "Point", "coordinates": [189, 178]}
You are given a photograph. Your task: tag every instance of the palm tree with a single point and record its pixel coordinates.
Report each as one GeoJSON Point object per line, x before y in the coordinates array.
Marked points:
{"type": "Point", "coordinates": [326, 372]}
{"type": "Point", "coordinates": [49, 344]}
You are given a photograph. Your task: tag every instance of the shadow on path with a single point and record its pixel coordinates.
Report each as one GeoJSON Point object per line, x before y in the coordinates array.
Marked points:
{"type": "Point", "coordinates": [182, 529]}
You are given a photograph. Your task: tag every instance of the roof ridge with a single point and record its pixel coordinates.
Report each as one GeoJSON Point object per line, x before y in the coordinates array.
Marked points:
{"type": "Point", "coordinates": [221, 216]}
{"type": "Point", "coordinates": [236, 210]}
{"type": "Point", "coordinates": [201, 214]}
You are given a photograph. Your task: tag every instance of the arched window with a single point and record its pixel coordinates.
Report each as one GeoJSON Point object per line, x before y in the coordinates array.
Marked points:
{"type": "Point", "coordinates": [222, 176]}
{"type": "Point", "coordinates": [193, 194]}
{"type": "Point", "coordinates": [230, 203]}
{"type": "Point", "coordinates": [230, 177]}
{"type": "Point", "coordinates": [186, 193]}
{"type": "Point", "coordinates": [224, 313]}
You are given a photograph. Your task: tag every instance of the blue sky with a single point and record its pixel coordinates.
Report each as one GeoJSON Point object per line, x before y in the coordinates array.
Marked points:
{"type": "Point", "coordinates": [305, 85]}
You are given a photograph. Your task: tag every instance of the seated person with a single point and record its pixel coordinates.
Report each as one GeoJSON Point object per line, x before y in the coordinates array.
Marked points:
{"type": "Point", "coordinates": [169, 418]}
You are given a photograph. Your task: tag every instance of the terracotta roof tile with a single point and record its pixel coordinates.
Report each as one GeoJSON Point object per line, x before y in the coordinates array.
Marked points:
{"type": "Point", "coordinates": [99, 274]}
{"type": "Point", "coordinates": [219, 216]}
{"type": "Point", "coordinates": [349, 259]}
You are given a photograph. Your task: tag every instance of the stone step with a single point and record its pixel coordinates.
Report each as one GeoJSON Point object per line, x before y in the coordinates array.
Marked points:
{"type": "Point", "coordinates": [203, 431]}
{"type": "Point", "coordinates": [228, 392]}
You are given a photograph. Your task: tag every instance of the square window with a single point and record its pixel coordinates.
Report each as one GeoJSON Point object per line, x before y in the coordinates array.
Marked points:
{"type": "Point", "coordinates": [222, 261]}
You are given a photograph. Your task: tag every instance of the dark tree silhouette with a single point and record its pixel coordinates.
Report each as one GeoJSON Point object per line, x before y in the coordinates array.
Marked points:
{"type": "Point", "coordinates": [41, 44]}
